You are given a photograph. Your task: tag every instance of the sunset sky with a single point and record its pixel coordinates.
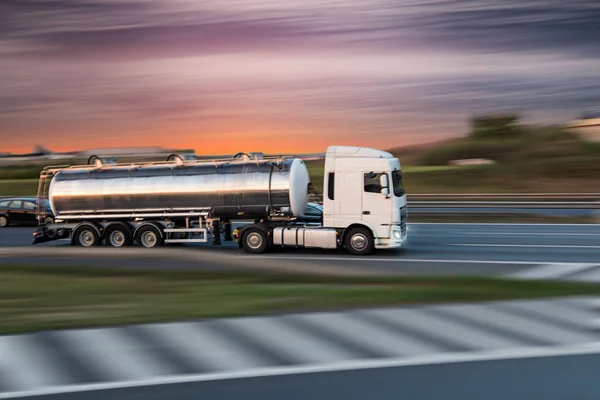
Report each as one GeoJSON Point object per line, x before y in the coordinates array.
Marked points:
{"type": "Point", "coordinates": [282, 75]}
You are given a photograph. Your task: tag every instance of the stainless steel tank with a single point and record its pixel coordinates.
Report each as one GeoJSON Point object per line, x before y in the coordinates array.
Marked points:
{"type": "Point", "coordinates": [230, 189]}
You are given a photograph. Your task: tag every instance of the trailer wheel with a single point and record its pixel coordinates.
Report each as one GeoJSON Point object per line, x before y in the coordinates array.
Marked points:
{"type": "Point", "coordinates": [3, 221]}
{"type": "Point", "coordinates": [149, 237]}
{"type": "Point", "coordinates": [359, 241]}
{"type": "Point", "coordinates": [255, 241]}
{"type": "Point", "coordinates": [118, 236]}
{"type": "Point", "coordinates": [86, 236]}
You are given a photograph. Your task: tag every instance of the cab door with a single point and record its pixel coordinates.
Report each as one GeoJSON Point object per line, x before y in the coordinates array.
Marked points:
{"type": "Point", "coordinates": [377, 207]}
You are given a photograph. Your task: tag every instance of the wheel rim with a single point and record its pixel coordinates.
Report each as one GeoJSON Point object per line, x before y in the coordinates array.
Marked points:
{"type": "Point", "coordinates": [254, 240]}
{"type": "Point", "coordinates": [359, 242]}
{"type": "Point", "coordinates": [86, 238]}
{"type": "Point", "coordinates": [149, 239]}
{"type": "Point", "coordinates": [117, 239]}
{"type": "Point", "coordinates": [3, 222]}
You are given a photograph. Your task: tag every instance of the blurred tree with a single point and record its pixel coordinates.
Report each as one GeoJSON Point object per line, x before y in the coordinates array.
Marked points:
{"type": "Point", "coordinates": [495, 126]}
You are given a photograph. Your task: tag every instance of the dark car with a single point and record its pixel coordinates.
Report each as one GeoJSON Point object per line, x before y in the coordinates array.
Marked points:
{"type": "Point", "coordinates": [23, 211]}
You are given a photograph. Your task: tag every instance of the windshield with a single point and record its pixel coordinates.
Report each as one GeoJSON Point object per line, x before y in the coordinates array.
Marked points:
{"type": "Point", "coordinates": [398, 184]}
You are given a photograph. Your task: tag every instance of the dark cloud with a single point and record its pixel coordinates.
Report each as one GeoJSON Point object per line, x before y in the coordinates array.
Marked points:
{"type": "Point", "coordinates": [566, 26]}
{"type": "Point", "coordinates": [166, 41]}
{"type": "Point", "coordinates": [93, 28]}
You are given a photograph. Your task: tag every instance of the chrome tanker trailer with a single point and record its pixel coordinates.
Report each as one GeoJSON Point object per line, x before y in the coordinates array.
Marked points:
{"type": "Point", "coordinates": [186, 200]}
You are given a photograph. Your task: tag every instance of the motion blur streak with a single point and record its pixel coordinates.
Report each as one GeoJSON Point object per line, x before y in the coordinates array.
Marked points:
{"type": "Point", "coordinates": [193, 73]}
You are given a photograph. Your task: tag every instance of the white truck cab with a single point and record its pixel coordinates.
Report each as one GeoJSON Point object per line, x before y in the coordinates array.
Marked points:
{"type": "Point", "coordinates": [363, 187]}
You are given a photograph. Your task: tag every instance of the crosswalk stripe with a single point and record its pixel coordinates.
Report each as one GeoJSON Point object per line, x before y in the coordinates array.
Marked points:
{"type": "Point", "coordinates": [555, 310]}
{"type": "Point", "coordinates": [114, 355]}
{"type": "Point", "coordinates": [203, 348]}
{"type": "Point", "coordinates": [375, 338]}
{"type": "Point", "coordinates": [589, 304]}
{"type": "Point", "coordinates": [26, 366]}
{"type": "Point", "coordinates": [284, 339]}
{"type": "Point", "coordinates": [446, 328]}
{"type": "Point", "coordinates": [549, 271]}
{"type": "Point", "coordinates": [591, 275]}
{"type": "Point", "coordinates": [523, 326]}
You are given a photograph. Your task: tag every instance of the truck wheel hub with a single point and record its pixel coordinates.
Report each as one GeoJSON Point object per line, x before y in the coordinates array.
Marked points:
{"type": "Point", "coordinates": [359, 241]}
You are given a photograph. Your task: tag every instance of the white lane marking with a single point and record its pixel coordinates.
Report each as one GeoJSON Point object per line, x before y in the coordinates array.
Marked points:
{"type": "Point", "coordinates": [204, 348]}
{"type": "Point", "coordinates": [526, 326]}
{"type": "Point", "coordinates": [547, 271]}
{"type": "Point", "coordinates": [405, 260]}
{"type": "Point", "coordinates": [24, 366]}
{"type": "Point", "coordinates": [527, 234]}
{"type": "Point", "coordinates": [496, 224]}
{"type": "Point", "coordinates": [555, 246]}
{"type": "Point", "coordinates": [470, 337]}
{"type": "Point", "coordinates": [353, 365]}
{"type": "Point", "coordinates": [285, 340]}
{"type": "Point", "coordinates": [113, 354]}
{"type": "Point", "coordinates": [377, 339]}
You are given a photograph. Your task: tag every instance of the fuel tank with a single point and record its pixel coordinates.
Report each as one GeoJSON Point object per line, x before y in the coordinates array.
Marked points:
{"type": "Point", "coordinates": [232, 189]}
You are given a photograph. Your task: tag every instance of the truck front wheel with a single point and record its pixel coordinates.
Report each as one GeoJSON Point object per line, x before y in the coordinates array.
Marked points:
{"type": "Point", "coordinates": [255, 241]}
{"type": "Point", "coordinates": [359, 241]}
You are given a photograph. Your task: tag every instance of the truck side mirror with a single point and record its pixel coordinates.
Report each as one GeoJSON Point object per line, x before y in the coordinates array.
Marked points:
{"type": "Point", "coordinates": [385, 185]}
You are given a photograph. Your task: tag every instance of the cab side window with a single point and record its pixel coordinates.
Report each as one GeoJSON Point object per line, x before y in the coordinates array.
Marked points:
{"type": "Point", "coordinates": [372, 182]}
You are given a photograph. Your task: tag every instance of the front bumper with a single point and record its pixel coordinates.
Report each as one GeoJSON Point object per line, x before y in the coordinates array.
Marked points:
{"type": "Point", "coordinates": [390, 243]}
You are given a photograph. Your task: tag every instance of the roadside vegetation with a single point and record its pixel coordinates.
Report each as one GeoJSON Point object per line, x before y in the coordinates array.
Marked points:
{"type": "Point", "coordinates": [18, 187]}
{"type": "Point", "coordinates": [34, 298]}
{"type": "Point", "coordinates": [525, 159]}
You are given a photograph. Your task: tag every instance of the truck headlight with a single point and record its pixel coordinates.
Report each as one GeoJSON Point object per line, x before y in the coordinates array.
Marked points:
{"type": "Point", "coordinates": [396, 234]}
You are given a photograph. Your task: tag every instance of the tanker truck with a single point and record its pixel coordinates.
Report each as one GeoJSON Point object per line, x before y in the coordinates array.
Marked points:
{"type": "Point", "coordinates": [184, 200]}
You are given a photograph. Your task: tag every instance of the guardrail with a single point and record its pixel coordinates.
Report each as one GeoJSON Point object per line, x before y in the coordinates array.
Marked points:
{"type": "Point", "coordinates": [589, 201]}
{"type": "Point", "coordinates": [506, 196]}
{"type": "Point", "coordinates": [537, 201]}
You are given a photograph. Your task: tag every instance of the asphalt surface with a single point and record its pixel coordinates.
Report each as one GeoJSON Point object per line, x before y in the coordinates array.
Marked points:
{"type": "Point", "coordinates": [446, 248]}
{"type": "Point", "coordinates": [566, 377]}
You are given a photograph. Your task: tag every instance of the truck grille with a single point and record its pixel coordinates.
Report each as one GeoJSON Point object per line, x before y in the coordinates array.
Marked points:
{"type": "Point", "coordinates": [403, 220]}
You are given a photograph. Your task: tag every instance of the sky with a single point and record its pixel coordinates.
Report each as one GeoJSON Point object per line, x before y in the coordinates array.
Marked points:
{"type": "Point", "coordinates": [277, 76]}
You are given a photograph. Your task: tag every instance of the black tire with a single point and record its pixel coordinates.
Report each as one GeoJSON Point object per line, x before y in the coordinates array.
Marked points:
{"type": "Point", "coordinates": [4, 222]}
{"type": "Point", "coordinates": [359, 241]}
{"type": "Point", "coordinates": [86, 235]}
{"type": "Point", "coordinates": [255, 241]}
{"type": "Point", "coordinates": [149, 236]}
{"type": "Point", "coordinates": [118, 236]}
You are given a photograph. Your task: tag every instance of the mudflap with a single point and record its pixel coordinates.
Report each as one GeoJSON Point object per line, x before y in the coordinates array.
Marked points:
{"type": "Point", "coordinates": [47, 235]}
{"type": "Point", "coordinates": [40, 238]}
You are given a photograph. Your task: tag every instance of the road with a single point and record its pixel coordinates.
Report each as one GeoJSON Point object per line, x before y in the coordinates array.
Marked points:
{"type": "Point", "coordinates": [567, 377]}
{"type": "Point", "coordinates": [473, 249]}
{"type": "Point", "coordinates": [419, 352]}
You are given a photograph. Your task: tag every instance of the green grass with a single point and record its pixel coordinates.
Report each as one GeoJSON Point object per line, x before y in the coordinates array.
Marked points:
{"type": "Point", "coordinates": [18, 187]}
{"type": "Point", "coordinates": [44, 298]}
